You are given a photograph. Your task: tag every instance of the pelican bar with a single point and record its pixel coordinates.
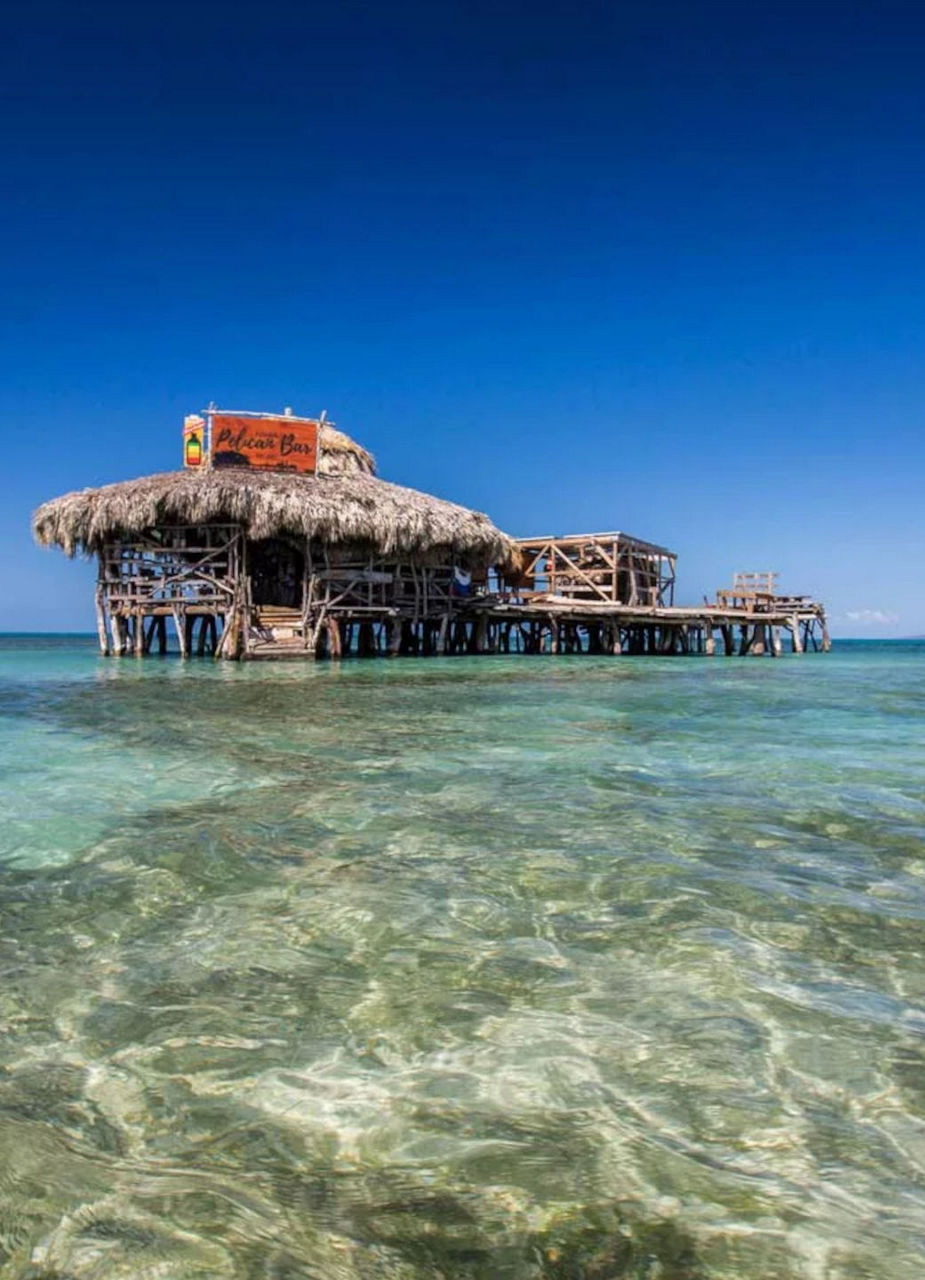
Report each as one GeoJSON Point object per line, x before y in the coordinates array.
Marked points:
{"type": "Point", "coordinates": [278, 539]}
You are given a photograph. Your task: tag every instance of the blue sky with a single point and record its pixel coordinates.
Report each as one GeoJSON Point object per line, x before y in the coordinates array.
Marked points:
{"type": "Point", "coordinates": [651, 266]}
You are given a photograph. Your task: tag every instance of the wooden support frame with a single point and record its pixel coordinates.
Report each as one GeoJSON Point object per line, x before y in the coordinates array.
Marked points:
{"type": "Point", "coordinates": [611, 568]}
{"type": "Point", "coordinates": [183, 572]}
{"type": "Point", "coordinates": [595, 593]}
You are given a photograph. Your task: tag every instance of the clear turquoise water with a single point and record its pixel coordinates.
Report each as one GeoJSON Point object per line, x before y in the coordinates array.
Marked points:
{"type": "Point", "coordinates": [518, 968]}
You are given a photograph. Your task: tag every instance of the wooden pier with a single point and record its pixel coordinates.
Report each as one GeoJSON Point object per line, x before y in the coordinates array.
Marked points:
{"type": "Point", "coordinates": [246, 557]}
{"type": "Point", "coordinates": [566, 599]}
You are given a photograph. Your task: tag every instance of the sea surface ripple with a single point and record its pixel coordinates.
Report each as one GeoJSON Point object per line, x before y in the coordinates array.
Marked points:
{"type": "Point", "coordinates": [574, 968]}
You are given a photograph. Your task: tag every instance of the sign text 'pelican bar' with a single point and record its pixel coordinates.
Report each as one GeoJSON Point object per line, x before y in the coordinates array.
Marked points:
{"type": "Point", "coordinates": [265, 441]}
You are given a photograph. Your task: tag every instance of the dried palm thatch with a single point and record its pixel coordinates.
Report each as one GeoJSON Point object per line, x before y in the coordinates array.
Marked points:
{"type": "Point", "coordinates": [356, 509]}
{"type": "Point", "coordinates": [339, 455]}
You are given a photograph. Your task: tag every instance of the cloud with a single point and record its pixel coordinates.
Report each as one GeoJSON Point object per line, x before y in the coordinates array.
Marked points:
{"type": "Point", "coordinates": [871, 617]}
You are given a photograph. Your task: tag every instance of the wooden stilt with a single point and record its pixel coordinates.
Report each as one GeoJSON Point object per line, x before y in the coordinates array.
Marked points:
{"type": "Point", "coordinates": [480, 634]}
{"type": "Point", "coordinates": [101, 621]}
{"type": "Point", "coordinates": [179, 621]}
{"type": "Point", "coordinates": [366, 640]}
{"type": "Point", "coordinates": [229, 641]}
{"type": "Point", "coordinates": [118, 634]}
{"type": "Point", "coordinates": [334, 639]}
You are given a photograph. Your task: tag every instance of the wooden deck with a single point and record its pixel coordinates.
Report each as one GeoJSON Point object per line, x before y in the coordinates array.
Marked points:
{"type": "Point", "coordinates": [553, 625]}
{"type": "Point", "coordinates": [564, 625]}
{"type": "Point", "coordinates": [603, 593]}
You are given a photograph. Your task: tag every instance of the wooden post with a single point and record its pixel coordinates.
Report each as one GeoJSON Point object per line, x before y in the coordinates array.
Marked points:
{"type": "Point", "coordinates": [323, 641]}
{"type": "Point", "coordinates": [776, 646]}
{"type": "Point", "coordinates": [709, 642]}
{"type": "Point", "coordinates": [395, 630]}
{"type": "Point", "coordinates": [366, 641]}
{"type": "Point", "coordinates": [101, 621]}
{"type": "Point", "coordinates": [826, 638]}
{"type": "Point", "coordinates": [118, 635]}
{"type": "Point", "coordinates": [795, 633]}
{"type": "Point", "coordinates": [314, 633]}
{"type": "Point", "coordinates": [407, 637]}
{"type": "Point", "coordinates": [480, 634]}
{"type": "Point", "coordinates": [138, 633]}
{"type": "Point", "coordinates": [179, 621]}
{"type": "Point", "coordinates": [228, 645]}
{"type": "Point", "coordinates": [334, 639]}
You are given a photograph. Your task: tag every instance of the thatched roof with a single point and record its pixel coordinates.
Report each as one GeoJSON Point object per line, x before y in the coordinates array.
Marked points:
{"type": "Point", "coordinates": [339, 455]}
{"type": "Point", "coordinates": [351, 507]}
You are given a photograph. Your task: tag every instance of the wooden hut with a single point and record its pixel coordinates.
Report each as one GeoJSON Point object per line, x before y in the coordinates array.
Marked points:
{"type": "Point", "coordinates": [609, 568]}
{"type": "Point", "coordinates": [243, 559]}
{"type": "Point", "coordinates": [278, 539]}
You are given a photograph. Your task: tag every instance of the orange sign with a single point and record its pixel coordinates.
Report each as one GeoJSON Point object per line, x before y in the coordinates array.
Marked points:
{"type": "Point", "coordinates": [267, 442]}
{"type": "Point", "coordinates": [194, 431]}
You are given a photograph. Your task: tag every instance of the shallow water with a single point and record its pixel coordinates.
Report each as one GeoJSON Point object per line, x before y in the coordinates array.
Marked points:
{"type": "Point", "coordinates": [517, 968]}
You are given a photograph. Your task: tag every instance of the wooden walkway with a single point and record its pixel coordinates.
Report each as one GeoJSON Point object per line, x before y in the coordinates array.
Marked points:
{"type": "Point", "coordinates": [486, 625]}
{"type": "Point", "coordinates": [563, 625]}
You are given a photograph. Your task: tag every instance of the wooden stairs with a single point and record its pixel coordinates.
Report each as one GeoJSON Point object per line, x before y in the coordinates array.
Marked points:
{"type": "Point", "coordinates": [275, 632]}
